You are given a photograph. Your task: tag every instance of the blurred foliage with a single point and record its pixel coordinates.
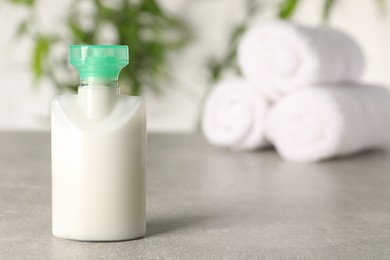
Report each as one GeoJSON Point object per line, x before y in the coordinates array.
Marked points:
{"type": "Point", "coordinates": [149, 31]}
{"type": "Point", "coordinates": [218, 66]}
{"type": "Point", "coordinates": [328, 5]}
{"type": "Point", "coordinates": [286, 8]}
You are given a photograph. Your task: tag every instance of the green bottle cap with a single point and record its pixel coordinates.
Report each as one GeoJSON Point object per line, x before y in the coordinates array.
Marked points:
{"type": "Point", "coordinates": [98, 62]}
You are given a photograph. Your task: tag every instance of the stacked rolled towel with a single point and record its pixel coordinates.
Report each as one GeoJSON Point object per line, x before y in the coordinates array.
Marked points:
{"type": "Point", "coordinates": [234, 116]}
{"type": "Point", "coordinates": [330, 121]}
{"type": "Point", "coordinates": [282, 57]}
{"type": "Point", "coordinates": [319, 109]}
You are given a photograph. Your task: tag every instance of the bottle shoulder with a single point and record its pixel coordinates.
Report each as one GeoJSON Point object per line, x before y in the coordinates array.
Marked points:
{"type": "Point", "coordinates": [59, 99]}
{"type": "Point", "coordinates": [126, 109]}
{"type": "Point", "coordinates": [122, 102]}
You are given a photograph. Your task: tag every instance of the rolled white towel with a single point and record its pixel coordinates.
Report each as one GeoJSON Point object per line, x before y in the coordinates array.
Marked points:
{"type": "Point", "coordinates": [234, 116]}
{"type": "Point", "coordinates": [330, 121]}
{"type": "Point", "coordinates": [282, 56]}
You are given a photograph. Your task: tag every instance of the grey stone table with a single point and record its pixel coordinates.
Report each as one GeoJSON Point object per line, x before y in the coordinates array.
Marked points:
{"type": "Point", "coordinates": [210, 203]}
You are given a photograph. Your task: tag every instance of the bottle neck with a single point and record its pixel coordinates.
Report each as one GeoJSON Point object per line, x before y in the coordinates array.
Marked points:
{"type": "Point", "coordinates": [97, 99]}
{"type": "Point", "coordinates": [99, 84]}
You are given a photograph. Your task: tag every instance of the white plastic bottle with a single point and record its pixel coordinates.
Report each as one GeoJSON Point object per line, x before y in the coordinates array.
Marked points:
{"type": "Point", "coordinates": [98, 152]}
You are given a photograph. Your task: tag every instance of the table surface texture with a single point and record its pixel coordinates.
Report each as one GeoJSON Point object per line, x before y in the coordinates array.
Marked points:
{"type": "Point", "coordinates": [205, 202]}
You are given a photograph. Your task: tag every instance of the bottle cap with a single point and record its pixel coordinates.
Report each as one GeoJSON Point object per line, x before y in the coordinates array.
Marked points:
{"type": "Point", "coordinates": [98, 62]}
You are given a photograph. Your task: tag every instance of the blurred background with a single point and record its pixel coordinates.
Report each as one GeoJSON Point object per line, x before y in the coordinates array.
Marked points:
{"type": "Point", "coordinates": [179, 48]}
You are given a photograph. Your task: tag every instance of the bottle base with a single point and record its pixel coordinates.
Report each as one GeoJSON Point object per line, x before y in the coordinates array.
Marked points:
{"type": "Point", "coordinates": [99, 239]}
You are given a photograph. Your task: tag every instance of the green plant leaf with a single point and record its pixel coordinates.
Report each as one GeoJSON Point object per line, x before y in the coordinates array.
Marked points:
{"type": "Point", "coordinates": [21, 29]}
{"type": "Point", "coordinates": [382, 6]}
{"type": "Point", "coordinates": [237, 33]}
{"type": "Point", "coordinates": [40, 52]}
{"type": "Point", "coordinates": [78, 34]}
{"type": "Point", "coordinates": [328, 8]}
{"type": "Point", "coordinates": [287, 8]}
{"type": "Point", "coordinates": [152, 7]}
{"type": "Point", "coordinates": [253, 7]}
{"type": "Point", "coordinates": [23, 2]}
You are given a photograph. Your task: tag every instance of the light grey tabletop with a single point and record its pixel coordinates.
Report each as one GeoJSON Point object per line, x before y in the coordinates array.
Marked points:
{"type": "Point", "coordinates": [209, 203]}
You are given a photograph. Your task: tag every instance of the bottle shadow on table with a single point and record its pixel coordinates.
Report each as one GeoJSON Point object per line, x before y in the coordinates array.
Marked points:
{"type": "Point", "coordinates": [167, 224]}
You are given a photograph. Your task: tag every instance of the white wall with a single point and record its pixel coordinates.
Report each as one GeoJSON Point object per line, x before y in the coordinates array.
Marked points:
{"type": "Point", "coordinates": [24, 107]}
